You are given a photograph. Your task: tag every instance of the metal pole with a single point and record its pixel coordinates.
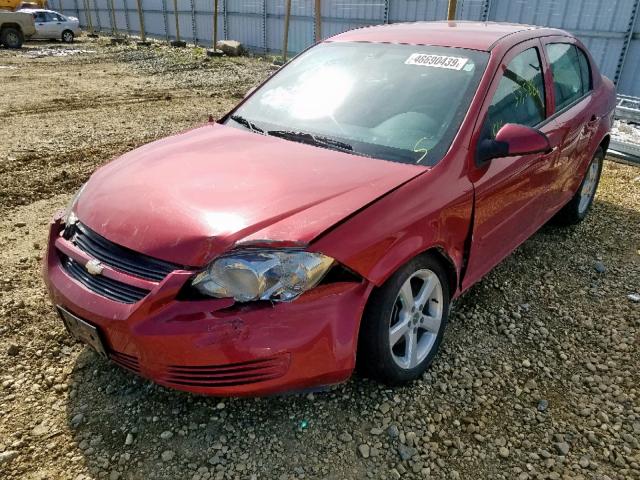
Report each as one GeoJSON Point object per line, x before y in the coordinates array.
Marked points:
{"type": "Point", "coordinates": [194, 28]}
{"type": "Point", "coordinates": [627, 41]}
{"type": "Point", "coordinates": [451, 13]}
{"type": "Point", "coordinates": [225, 23]}
{"type": "Point", "coordinates": [386, 10]}
{"type": "Point", "coordinates": [126, 16]}
{"type": "Point", "coordinates": [175, 13]}
{"type": "Point", "coordinates": [165, 20]}
{"type": "Point", "coordinates": [318, 23]}
{"type": "Point", "coordinates": [486, 10]}
{"type": "Point", "coordinates": [285, 41]}
{"type": "Point", "coordinates": [214, 39]}
{"type": "Point", "coordinates": [143, 35]}
{"type": "Point", "coordinates": [264, 26]}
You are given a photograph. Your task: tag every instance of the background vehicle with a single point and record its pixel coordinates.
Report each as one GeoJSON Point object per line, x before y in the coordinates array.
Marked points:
{"type": "Point", "coordinates": [15, 27]}
{"type": "Point", "coordinates": [18, 4]}
{"type": "Point", "coordinates": [53, 25]}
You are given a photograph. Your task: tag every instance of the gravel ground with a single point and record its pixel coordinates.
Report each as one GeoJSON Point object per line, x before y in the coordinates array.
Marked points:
{"type": "Point", "coordinates": [539, 376]}
{"type": "Point", "coordinates": [626, 132]}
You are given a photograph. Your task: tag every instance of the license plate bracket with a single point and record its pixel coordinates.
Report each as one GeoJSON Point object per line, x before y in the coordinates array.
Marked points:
{"type": "Point", "coordinates": [82, 331]}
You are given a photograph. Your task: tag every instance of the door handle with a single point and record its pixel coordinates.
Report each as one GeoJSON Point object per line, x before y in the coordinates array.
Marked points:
{"type": "Point", "coordinates": [593, 121]}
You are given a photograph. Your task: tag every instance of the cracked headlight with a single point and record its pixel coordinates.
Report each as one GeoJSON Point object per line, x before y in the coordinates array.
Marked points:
{"type": "Point", "coordinates": [276, 275]}
{"type": "Point", "coordinates": [68, 216]}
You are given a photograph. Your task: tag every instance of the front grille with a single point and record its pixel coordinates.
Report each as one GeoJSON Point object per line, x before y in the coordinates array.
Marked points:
{"type": "Point", "coordinates": [228, 375]}
{"type": "Point", "coordinates": [125, 361]}
{"type": "Point", "coordinates": [107, 287]}
{"type": "Point", "coordinates": [121, 258]}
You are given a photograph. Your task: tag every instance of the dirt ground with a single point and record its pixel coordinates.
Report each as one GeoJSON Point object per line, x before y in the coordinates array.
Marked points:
{"type": "Point", "coordinates": [539, 376]}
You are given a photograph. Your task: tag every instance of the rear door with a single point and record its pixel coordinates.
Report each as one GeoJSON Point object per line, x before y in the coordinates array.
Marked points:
{"type": "Point", "coordinates": [40, 21]}
{"type": "Point", "coordinates": [56, 25]}
{"type": "Point", "coordinates": [510, 193]}
{"type": "Point", "coordinates": [573, 121]}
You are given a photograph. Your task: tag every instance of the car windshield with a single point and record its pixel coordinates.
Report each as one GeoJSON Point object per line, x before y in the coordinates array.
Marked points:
{"type": "Point", "coordinates": [395, 102]}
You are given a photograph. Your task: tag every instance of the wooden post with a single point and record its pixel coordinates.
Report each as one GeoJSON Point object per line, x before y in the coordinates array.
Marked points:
{"type": "Point", "coordinates": [318, 15]}
{"type": "Point", "coordinates": [451, 14]}
{"type": "Point", "coordinates": [214, 40]}
{"type": "Point", "coordinates": [285, 42]}
{"type": "Point", "coordinates": [175, 13]}
{"type": "Point", "coordinates": [143, 35]}
{"type": "Point", "coordinates": [87, 14]}
{"type": "Point", "coordinates": [114, 27]}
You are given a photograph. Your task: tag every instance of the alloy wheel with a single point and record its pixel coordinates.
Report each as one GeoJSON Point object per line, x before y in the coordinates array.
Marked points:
{"type": "Point", "coordinates": [588, 188]}
{"type": "Point", "coordinates": [416, 319]}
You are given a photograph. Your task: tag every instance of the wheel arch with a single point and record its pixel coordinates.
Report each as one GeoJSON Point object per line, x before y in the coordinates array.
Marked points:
{"type": "Point", "coordinates": [10, 25]}
{"type": "Point", "coordinates": [440, 254]}
{"type": "Point", "coordinates": [604, 143]}
{"type": "Point", "coordinates": [449, 267]}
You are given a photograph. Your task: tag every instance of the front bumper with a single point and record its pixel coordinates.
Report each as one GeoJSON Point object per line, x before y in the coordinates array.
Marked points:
{"type": "Point", "coordinates": [213, 346]}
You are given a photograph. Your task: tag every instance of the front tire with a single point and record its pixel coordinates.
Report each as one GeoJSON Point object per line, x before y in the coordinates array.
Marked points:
{"type": "Point", "coordinates": [578, 207]}
{"type": "Point", "coordinates": [67, 36]}
{"type": "Point", "coordinates": [11, 37]}
{"type": "Point", "coordinates": [404, 322]}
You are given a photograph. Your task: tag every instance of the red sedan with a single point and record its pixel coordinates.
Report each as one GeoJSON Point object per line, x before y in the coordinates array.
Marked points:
{"type": "Point", "coordinates": [336, 212]}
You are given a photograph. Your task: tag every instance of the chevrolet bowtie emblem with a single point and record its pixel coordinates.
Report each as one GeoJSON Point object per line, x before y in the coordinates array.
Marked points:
{"type": "Point", "coordinates": [94, 267]}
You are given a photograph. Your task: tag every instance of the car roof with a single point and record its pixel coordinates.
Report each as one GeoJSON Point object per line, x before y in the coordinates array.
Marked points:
{"type": "Point", "coordinates": [36, 10]}
{"type": "Point", "coordinates": [462, 34]}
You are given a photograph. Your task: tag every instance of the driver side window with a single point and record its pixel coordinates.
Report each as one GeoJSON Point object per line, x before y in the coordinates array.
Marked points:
{"type": "Point", "coordinates": [519, 97]}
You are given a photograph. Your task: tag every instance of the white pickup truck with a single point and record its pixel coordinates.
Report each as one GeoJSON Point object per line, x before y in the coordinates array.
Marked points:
{"type": "Point", "coordinates": [15, 27]}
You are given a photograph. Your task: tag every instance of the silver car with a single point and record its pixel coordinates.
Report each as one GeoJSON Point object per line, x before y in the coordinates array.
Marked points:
{"type": "Point", "coordinates": [52, 25]}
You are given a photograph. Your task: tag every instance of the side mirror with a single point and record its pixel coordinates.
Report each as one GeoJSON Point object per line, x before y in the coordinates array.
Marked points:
{"type": "Point", "coordinates": [513, 140]}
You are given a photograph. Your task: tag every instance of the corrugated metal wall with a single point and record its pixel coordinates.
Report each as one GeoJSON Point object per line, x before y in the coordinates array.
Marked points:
{"type": "Point", "coordinates": [608, 27]}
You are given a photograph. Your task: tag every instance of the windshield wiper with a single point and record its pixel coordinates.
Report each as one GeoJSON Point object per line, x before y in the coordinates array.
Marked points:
{"type": "Point", "coordinates": [318, 140]}
{"type": "Point", "coordinates": [247, 123]}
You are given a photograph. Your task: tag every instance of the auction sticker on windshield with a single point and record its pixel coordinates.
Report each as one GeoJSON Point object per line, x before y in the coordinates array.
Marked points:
{"type": "Point", "coordinates": [437, 61]}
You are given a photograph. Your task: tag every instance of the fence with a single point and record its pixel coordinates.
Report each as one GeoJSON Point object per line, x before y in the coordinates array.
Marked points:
{"type": "Point", "coordinates": [608, 27]}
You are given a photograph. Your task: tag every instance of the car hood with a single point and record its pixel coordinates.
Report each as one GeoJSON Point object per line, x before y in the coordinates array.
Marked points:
{"type": "Point", "coordinates": [189, 197]}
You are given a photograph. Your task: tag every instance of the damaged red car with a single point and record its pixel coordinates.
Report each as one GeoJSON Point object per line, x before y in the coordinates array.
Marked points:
{"type": "Point", "coordinates": [336, 212]}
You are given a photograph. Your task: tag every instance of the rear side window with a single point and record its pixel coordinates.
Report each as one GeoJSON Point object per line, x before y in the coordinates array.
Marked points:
{"type": "Point", "coordinates": [585, 71]}
{"type": "Point", "coordinates": [571, 75]}
{"type": "Point", "coordinates": [519, 97]}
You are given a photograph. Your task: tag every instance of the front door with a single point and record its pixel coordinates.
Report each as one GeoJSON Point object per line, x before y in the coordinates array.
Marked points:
{"type": "Point", "coordinates": [510, 193]}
